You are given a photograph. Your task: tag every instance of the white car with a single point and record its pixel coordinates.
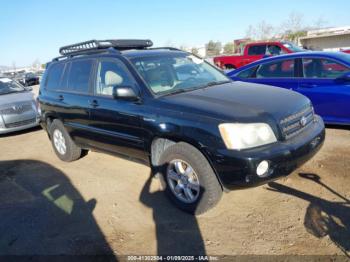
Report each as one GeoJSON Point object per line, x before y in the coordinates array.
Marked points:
{"type": "Point", "coordinates": [18, 109]}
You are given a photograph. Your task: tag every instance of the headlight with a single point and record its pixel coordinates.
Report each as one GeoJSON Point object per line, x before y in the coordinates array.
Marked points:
{"type": "Point", "coordinates": [241, 136]}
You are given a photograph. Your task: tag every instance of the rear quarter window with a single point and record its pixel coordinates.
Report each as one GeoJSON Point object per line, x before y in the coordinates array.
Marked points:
{"type": "Point", "coordinates": [54, 76]}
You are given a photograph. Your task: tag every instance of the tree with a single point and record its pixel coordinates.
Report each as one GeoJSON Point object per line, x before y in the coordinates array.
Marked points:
{"type": "Point", "coordinates": [36, 64]}
{"type": "Point", "coordinates": [294, 23]}
{"type": "Point", "coordinates": [213, 48]}
{"type": "Point", "coordinates": [229, 48]}
{"type": "Point", "coordinates": [250, 32]}
{"type": "Point", "coordinates": [320, 23]}
{"type": "Point", "coordinates": [264, 31]}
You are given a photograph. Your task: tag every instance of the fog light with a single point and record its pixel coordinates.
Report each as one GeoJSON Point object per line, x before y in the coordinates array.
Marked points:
{"type": "Point", "coordinates": [262, 168]}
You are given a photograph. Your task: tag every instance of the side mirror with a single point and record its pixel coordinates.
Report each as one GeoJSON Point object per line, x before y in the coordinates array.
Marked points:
{"type": "Point", "coordinates": [124, 92]}
{"type": "Point", "coordinates": [343, 78]}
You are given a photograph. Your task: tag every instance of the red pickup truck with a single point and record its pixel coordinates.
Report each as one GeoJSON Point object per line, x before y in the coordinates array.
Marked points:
{"type": "Point", "coordinates": [256, 51]}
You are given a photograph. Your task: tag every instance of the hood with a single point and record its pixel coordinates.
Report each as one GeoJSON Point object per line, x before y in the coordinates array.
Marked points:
{"type": "Point", "coordinates": [239, 101]}
{"type": "Point", "coordinates": [16, 97]}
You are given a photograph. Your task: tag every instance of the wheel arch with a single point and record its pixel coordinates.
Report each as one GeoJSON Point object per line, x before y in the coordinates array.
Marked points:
{"type": "Point", "coordinates": [160, 143]}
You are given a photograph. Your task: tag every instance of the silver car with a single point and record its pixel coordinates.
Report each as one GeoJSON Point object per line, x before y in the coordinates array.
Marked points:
{"type": "Point", "coordinates": [18, 108]}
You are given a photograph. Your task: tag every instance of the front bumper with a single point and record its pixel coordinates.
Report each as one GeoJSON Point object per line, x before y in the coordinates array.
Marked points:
{"type": "Point", "coordinates": [237, 169]}
{"type": "Point", "coordinates": [6, 130]}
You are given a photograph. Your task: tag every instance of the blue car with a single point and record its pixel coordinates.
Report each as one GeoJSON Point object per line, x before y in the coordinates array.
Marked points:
{"type": "Point", "coordinates": [324, 77]}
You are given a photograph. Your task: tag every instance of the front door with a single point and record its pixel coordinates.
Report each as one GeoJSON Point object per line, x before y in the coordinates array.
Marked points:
{"type": "Point", "coordinates": [115, 122]}
{"type": "Point", "coordinates": [279, 73]}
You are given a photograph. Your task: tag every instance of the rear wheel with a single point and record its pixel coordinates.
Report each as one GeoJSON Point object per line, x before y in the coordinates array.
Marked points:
{"type": "Point", "coordinates": [63, 145]}
{"type": "Point", "coordinates": [189, 180]}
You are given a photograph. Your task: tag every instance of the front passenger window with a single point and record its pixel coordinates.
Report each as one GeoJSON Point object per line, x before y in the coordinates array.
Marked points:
{"type": "Point", "coordinates": [111, 74]}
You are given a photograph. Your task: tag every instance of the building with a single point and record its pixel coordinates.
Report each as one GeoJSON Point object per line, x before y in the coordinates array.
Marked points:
{"type": "Point", "coordinates": [329, 39]}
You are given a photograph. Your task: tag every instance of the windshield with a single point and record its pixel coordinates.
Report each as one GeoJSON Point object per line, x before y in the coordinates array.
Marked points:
{"type": "Point", "coordinates": [9, 86]}
{"type": "Point", "coordinates": [169, 73]}
{"type": "Point", "coordinates": [293, 47]}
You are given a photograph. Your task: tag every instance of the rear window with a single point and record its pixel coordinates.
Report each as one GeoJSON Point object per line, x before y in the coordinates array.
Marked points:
{"type": "Point", "coordinates": [54, 76]}
{"type": "Point", "coordinates": [257, 50]}
{"type": "Point", "coordinates": [79, 76]}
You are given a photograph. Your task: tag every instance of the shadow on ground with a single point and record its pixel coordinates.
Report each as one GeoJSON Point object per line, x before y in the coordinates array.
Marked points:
{"type": "Point", "coordinates": [177, 232]}
{"type": "Point", "coordinates": [41, 213]}
{"type": "Point", "coordinates": [323, 217]}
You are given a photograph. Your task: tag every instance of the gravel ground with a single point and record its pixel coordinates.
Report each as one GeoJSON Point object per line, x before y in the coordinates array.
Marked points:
{"type": "Point", "coordinates": [107, 205]}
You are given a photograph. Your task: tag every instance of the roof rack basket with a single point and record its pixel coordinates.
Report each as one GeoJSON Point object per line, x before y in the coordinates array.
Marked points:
{"type": "Point", "coordinates": [123, 44]}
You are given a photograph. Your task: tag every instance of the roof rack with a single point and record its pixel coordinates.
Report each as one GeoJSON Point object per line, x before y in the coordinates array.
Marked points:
{"type": "Point", "coordinates": [122, 44]}
{"type": "Point", "coordinates": [166, 47]}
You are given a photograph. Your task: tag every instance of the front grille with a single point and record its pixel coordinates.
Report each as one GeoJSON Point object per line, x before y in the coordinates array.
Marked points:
{"type": "Point", "coordinates": [294, 124]}
{"type": "Point", "coordinates": [17, 109]}
{"type": "Point", "coordinates": [21, 123]}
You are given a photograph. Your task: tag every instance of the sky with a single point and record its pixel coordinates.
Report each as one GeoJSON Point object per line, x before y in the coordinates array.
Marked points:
{"type": "Point", "coordinates": [35, 29]}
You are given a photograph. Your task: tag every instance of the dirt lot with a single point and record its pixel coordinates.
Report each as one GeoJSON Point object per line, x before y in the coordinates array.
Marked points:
{"type": "Point", "coordinates": [103, 204]}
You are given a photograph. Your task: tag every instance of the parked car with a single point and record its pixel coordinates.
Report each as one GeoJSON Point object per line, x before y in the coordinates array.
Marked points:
{"type": "Point", "coordinates": [29, 79]}
{"type": "Point", "coordinates": [321, 76]}
{"type": "Point", "coordinates": [18, 108]}
{"type": "Point", "coordinates": [199, 131]}
{"type": "Point", "coordinates": [256, 51]}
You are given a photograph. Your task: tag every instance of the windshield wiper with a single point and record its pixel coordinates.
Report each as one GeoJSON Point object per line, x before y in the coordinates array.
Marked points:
{"type": "Point", "coordinates": [214, 83]}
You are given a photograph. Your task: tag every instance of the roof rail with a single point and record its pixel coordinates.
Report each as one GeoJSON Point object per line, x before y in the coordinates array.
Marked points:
{"type": "Point", "coordinates": [121, 44]}
{"type": "Point", "coordinates": [167, 47]}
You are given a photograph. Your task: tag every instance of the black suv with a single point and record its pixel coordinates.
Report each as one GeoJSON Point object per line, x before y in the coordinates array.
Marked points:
{"type": "Point", "coordinates": [199, 131]}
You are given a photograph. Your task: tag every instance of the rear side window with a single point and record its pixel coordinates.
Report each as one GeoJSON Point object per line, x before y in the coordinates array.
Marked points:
{"type": "Point", "coordinates": [257, 50]}
{"type": "Point", "coordinates": [280, 69]}
{"type": "Point", "coordinates": [274, 50]}
{"type": "Point", "coordinates": [54, 76]}
{"type": "Point", "coordinates": [79, 76]}
{"type": "Point", "coordinates": [323, 68]}
{"type": "Point", "coordinates": [248, 73]}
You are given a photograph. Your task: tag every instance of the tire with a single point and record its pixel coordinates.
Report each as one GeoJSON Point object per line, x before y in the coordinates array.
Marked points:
{"type": "Point", "coordinates": [202, 177]}
{"type": "Point", "coordinates": [58, 133]}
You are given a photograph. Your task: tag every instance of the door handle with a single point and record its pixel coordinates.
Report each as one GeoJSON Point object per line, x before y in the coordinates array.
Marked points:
{"type": "Point", "coordinates": [93, 103]}
{"type": "Point", "coordinates": [61, 97]}
{"type": "Point", "coordinates": [308, 85]}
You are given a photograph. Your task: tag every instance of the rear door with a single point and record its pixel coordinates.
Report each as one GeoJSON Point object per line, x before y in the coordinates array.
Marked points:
{"type": "Point", "coordinates": [115, 122]}
{"type": "Point", "coordinates": [330, 98]}
{"type": "Point", "coordinates": [74, 97]}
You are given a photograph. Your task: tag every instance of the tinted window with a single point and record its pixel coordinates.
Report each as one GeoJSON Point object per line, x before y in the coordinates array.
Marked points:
{"type": "Point", "coordinates": [278, 69]}
{"type": "Point", "coordinates": [248, 73]}
{"type": "Point", "coordinates": [323, 68]}
{"type": "Point", "coordinates": [257, 50]}
{"type": "Point", "coordinates": [79, 76]}
{"type": "Point", "coordinates": [111, 74]}
{"type": "Point", "coordinates": [274, 50]}
{"type": "Point", "coordinates": [54, 76]}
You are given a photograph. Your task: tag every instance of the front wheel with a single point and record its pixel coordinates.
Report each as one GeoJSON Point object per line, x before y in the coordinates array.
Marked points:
{"type": "Point", "coordinates": [188, 178]}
